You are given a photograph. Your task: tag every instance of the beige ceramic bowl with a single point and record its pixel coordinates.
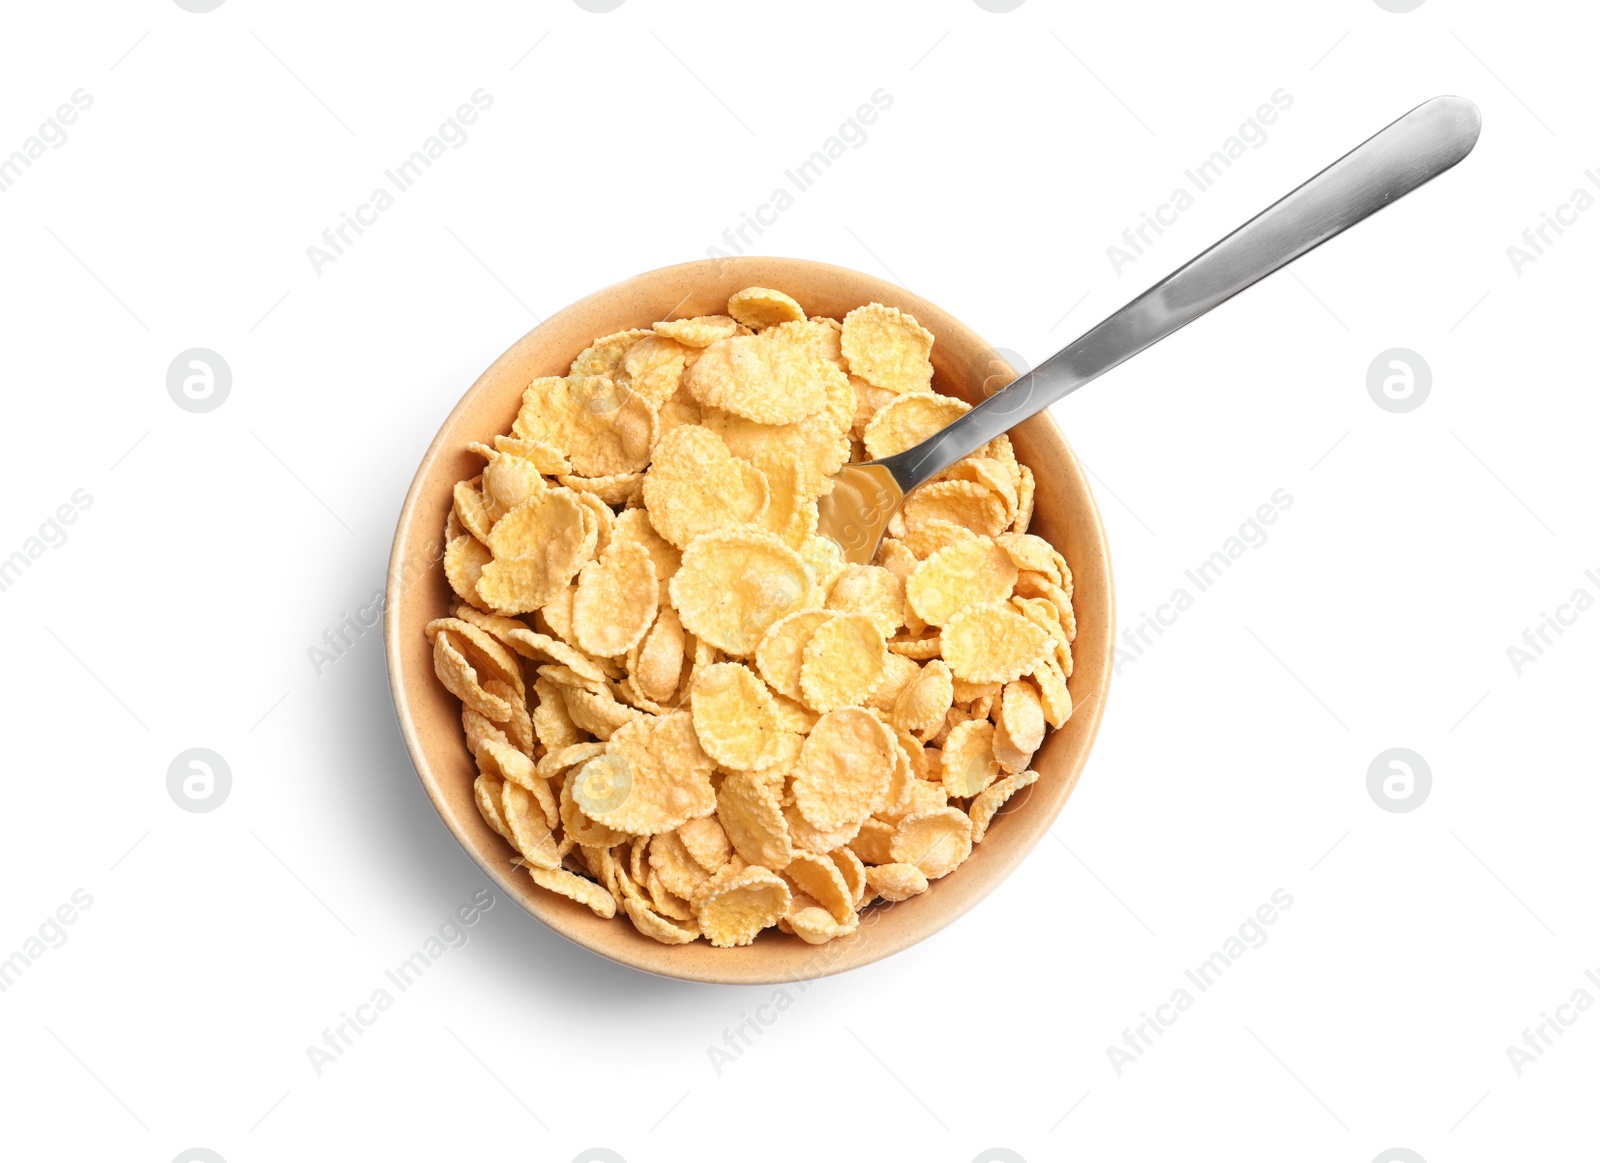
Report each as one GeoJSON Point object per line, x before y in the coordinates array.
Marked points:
{"type": "Point", "coordinates": [430, 718]}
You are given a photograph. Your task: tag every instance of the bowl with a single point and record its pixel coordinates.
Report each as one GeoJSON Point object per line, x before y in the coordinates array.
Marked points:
{"type": "Point", "coordinates": [430, 717]}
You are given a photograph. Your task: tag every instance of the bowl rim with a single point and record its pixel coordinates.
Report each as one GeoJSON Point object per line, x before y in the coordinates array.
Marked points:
{"type": "Point", "coordinates": [651, 957]}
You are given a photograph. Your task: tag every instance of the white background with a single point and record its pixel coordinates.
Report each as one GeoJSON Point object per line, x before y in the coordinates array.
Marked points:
{"type": "Point", "coordinates": [1234, 753]}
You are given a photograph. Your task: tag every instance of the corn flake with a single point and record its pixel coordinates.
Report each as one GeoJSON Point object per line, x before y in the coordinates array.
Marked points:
{"type": "Point", "coordinates": [936, 840]}
{"type": "Point", "coordinates": [734, 716]}
{"type": "Point", "coordinates": [991, 642]}
{"type": "Point", "coordinates": [989, 801]}
{"type": "Point", "coordinates": [733, 585]}
{"type": "Point", "coordinates": [887, 348]}
{"type": "Point", "coordinates": [758, 307]}
{"type": "Point", "coordinates": [732, 909]}
{"type": "Point", "coordinates": [695, 485]}
{"type": "Point", "coordinates": [700, 331]}
{"type": "Point", "coordinates": [908, 420]}
{"type": "Point", "coordinates": [842, 663]}
{"type": "Point", "coordinates": [844, 770]}
{"type": "Point", "coordinates": [615, 603]}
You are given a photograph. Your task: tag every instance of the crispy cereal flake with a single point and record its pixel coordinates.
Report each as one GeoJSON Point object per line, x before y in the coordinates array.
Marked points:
{"type": "Point", "coordinates": [842, 663]}
{"type": "Point", "coordinates": [991, 642]}
{"type": "Point", "coordinates": [844, 770]}
{"type": "Point", "coordinates": [732, 586]}
{"type": "Point", "coordinates": [887, 348]}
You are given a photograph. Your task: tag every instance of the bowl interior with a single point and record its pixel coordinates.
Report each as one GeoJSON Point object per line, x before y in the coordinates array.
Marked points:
{"type": "Point", "coordinates": [429, 716]}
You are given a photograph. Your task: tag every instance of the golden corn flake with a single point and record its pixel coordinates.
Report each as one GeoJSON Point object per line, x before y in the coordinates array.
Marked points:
{"type": "Point", "coordinates": [604, 356]}
{"type": "Point", "coordinates": [791, 513]}
{"type": "Point", "coordinates": [920, 648]}
{"type": "Point", "coordinates": [922, 706]}
{"type": "Point", "coordinates": [657, 669]}
{"type": "Point", "coordinates": [701, 331]}
{"type": "Point", "coordinates": [888, 348]}
{"type": "Point", "coordinates": [1054, 698]}
{"type": "Point", "coordinates": [547, 458]}
{"type": "Point", "coordinates": [541, 647]}
{"type": "Point", "coordinates": [487, 792]}
{"type": "Point", "coordinates": [653, 777]}
{"type": "Point", "coordinates": [842, 663]}
{"type": "Point", "coordinates": [815, 926]}
{"type": "Point", "coordinates": [667, 902]}
{"type": "Point", "coordinates": [936, 840]}
{"type": "Point", "coordinates": [896, 882]}
{"type": "Point", "coordinates": [992, 475]}
{"type": "Point", "coordinates": [991, 642]}
{"type": "Point", "coordinates": [619, 489]}
{"type": "Point", "coordinates": [899, 672]}
{"type": "Point", "coordinates": [707, 841]}
{"type": "Point", "coordinates": [599, 714]}
{"type": "Point", "coordinates": [652, 367]}
{"type": "Point", "coordinates": [964, 503]}
{"type": "Point", "coordinates": [734, 716]}
{"type": "Point", "coordinates": [816, 449]}
{"type": "Point", "coordinates": [907, 421]}
{"type": "Point", "coordinates": [615, 603]}
{"type": "Point", "coordinates": [964, 573]}
{"type": "Point", "coordinates": [873, 591]}
{"type": "Point", "coordinates": [853, 872]}
{"type": "Point", "coordinates": [819, 877]}
{"type": "Point", "coordinates": [602, 429]}
{"type": "Point", "coordinates": [657, 927]}
{"type": "Point", "coordinates": [732, 909]}
{"type": "Point", "coordinates": [472, 510]}
{"type": "Point", "coordinates": [464, 559]}
{"type": "Point", "coordinates": [733, 585]}
{"type": "Point", "coordinates": [758, 307]}
{"type": "Point", "coordinates": [585, 892]}
{"type": "Point", "coordinates": [925, 796]}
{"type": "Point", "coordinates": [1019, 728]}
{"type": "Point", "coordinates": [478, 730]}
{"type": "Point", "coordinates": [968, 763]}
{"type": "Point", "coordinates": [507, 482]}
{"type": "Point", "coordinates": [537, 548]}
{"type": "Point", "coordinates": [530, 832]}
{"type": "Point", "coordinates": [772, 378]}
{"type": "Point", "coordinates": [871, 843]}
{"type": "Point", "coordinates": [670, 861]}
{"type": "Point", "coordinates": [870, 401]}
{"type": "Point", "coordinates": [750, 813]}
{"type": "Point", "coordinates": [695, 485]}
{"type": "Point", "coordinates": [989, 801]}
{"type": "Point", "coordinates": [844, 770]}
{"type": "Point", "coordinates": [805, 835]}
{"type": "Point", "coordinates": [461, 679]}
{"type": "Point", "coordinates": [929, 537]}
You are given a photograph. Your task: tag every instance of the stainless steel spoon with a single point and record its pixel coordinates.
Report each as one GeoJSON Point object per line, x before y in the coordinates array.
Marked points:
{"type": "Point", "coordinates": [1387, 166]}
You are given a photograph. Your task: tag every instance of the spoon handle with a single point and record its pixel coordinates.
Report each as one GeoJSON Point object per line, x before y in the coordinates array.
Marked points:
{"type": "Point", "coordinates": [1413, 150]}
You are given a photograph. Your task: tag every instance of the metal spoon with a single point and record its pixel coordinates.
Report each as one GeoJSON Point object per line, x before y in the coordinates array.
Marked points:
{"type": "Point", "coordinates": [1387, 166]}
